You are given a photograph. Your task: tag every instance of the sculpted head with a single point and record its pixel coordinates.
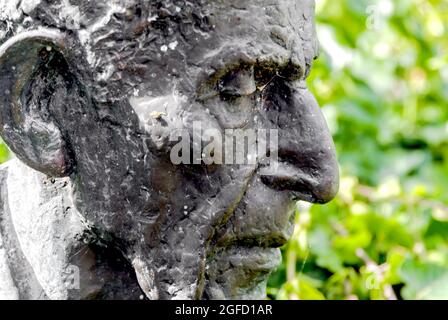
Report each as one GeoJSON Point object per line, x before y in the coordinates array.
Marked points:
{"type": "Point", "coordinates": [102, 92]}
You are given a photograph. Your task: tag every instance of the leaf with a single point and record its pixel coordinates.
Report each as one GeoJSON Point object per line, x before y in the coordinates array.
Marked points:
{"type": "Point", "coordinates": [424, 280]}
{"type": "Point", "coordinates": [320, 245]}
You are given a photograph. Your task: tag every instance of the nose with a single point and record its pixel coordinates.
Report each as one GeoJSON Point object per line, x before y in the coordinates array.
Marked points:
{"type": "Point", "coordinates": [306, 164]}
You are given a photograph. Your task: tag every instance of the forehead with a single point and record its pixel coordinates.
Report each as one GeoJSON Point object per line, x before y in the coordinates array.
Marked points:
{"type": "Point", "coordinates": [126, 42]}
{"type": "Point", "coordinates": [265, 30]}
{"type": "Point", "coordinates": [178, 37]}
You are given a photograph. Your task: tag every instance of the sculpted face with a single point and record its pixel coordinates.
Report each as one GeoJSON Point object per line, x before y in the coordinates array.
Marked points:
{"type": "Point", "coordinates": [97, 90]}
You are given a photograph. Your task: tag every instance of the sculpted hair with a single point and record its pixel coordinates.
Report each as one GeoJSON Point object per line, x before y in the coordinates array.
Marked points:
{"type": "Point", "coordinates": [120, 40]}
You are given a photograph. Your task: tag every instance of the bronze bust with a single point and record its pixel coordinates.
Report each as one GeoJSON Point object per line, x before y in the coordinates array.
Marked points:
{"type": "Point", "coordinates": [96, 95]}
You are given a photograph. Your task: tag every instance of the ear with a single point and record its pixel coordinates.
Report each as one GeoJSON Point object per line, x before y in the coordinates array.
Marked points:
{"type": "Point", "coordinates": [27, 84]}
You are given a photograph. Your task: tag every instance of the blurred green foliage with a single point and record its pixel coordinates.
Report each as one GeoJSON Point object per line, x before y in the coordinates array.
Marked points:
{"type": "Point", "coordinates": [4, 152]}
{"type": "Point", "coordinates": [382, 81]}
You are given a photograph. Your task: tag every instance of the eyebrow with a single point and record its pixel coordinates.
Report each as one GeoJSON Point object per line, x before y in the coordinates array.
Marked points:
{"type": "Point", "coordinates": [228, 58]}
{"type": "Point", "coordinates": [287, 70]}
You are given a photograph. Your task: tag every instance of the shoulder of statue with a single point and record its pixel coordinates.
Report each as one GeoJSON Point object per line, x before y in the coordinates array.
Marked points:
{"type": "Point", "coordinates": [16, 274]}
{"type": "Point", "coordinates": [8, 289]}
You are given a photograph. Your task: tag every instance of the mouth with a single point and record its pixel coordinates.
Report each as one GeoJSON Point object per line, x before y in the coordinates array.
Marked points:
{"type": "Point", "coordinates": [258, 254]}
{"type": "Point", "coordinates": [264, 218]}
{"type": "Point", "coordinates": [255, 240]}
{"type": "Point", "coordinates": [256, 259]}
{"type": "Point", "coordinates": [245, 251]}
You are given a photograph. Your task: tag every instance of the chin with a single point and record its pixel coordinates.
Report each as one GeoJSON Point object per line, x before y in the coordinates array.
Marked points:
{"type": "Point", "coordinates": [240, 272]}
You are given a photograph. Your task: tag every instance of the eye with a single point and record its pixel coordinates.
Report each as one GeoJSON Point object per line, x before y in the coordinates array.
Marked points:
{"type": "Point", "coordinates": [237, 83]}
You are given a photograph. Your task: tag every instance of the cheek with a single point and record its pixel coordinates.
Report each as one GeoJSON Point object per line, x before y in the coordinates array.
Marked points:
{"type": "Point", "coordinates": [165, 178]}
{"type": "Point", "coordinates": [232, 113]}
{"type": "Point", "coordinates": [163, 120]}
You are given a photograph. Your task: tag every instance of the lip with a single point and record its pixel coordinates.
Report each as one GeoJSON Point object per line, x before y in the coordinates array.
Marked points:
{"type": "Point", "coordinates": [261, 240]}
{"type": "Point", "coordinates": [241, 273]}
{"type": "Point", "coordinates": [256, 259]}
{"type": "Point", "coordinates": [263, 218]}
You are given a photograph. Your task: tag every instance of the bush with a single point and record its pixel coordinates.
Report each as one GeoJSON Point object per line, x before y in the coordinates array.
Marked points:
{"type": "Point", "coordinates": [382, 81]}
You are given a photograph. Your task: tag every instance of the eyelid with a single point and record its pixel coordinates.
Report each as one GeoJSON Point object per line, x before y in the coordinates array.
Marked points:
{"type": "Point", "coordinates": [238, 83]}
{"type": "Point", "coordinates": [246, 79]}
